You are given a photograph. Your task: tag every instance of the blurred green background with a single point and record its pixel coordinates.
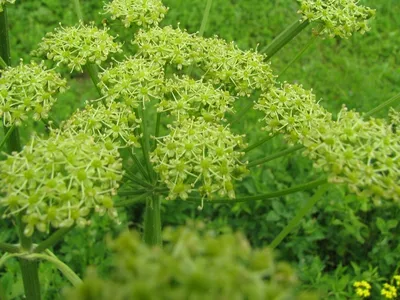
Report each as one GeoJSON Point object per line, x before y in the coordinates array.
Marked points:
{"type": "Point", "coordinates": [345, 238]}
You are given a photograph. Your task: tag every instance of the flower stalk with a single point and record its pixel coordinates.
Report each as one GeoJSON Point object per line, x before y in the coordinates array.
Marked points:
{"type": "Point", "coordinates": [275, 155]}
{"type": "Point", "coordinates": [152, 221]}
{"type": "Point", "coordinates": [285, 37]}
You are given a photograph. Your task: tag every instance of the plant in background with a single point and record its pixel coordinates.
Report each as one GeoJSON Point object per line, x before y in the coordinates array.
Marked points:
{"type": "Point", "coordinates": [189, 84]}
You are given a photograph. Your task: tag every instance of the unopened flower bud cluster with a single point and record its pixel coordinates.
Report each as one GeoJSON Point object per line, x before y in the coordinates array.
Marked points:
{"type": "Point", "coordinates": [58, 181]}
{"type": "Point", "coordinates": [394, 117]}
{"type": "Point", "coordinates": [339, 17]}
{"type": "Point", "coordinates": [223, 63]}
{"type": "Point", "coordinates": [186, 97]}
{"type": "Point", "coordinates": [28, 90]}
{"type": "Point", "coordinates": [141, 12]}
{"type": "Point", "coordinates": [78, 45]}
{"type": "Point", "coordinates": [193, 264]}
{"type": "Point", "coordinates": [364, 154]}
{"type": "Point", "coordinates": [115, 123]}
{"type": "Point", "coordinates": [4, 2]}
{"type": "Point", "coordinates": [133, 81]}
{"type": "Point", "coordinates": [199, 155]}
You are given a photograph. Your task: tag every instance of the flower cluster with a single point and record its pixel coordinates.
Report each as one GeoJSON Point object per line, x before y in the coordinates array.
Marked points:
{"type": "Point", "coordinates": [4, 2]}
{"type": "Point", "coordinates": [223, 63]}
{"type": "Point", "coordinates": [142, 12]}
{"type": "Point", "coordinates": [199, 153]}
{"type": "Point", "coordinates": [113, 123]}
{"type": "Point", "coordinates": [133, 81]}
{"type": "Point", "coordinates": [193, 264]}
{"type": "Point", "coordinates": [339, 17]}
{"type": "Point", "coordinates": [363, 288]}
{"type": "Point", "coordinates": [389, 291]}
{"type": "Point", "coordinates": [28, 89]}
{"type": "Point", "coordinates": [77, 46]}
{"type": "Point", "coordinates": [58, 181]}
{"type": "Point", "coordinates": [292, 110]}
{"type": "Point", "coordinates": [365, 154]}
{"type": "Point", "coordinates": [186, 97]}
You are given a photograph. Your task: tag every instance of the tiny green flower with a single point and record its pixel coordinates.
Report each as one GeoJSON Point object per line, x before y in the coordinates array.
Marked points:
{"type": "Point", "coordinates": [133, 81]}
{"type": "Point", "coordinates": [339, 17]}
{"type": "Point", "coordinates": [186, 97]}
{"type": "Point", "coordinates": [141, 12]}
{"type": "Point", "coordinates": [58, 181]}
{"type": "Point", "coordinates": [78, 45]}
{"type": "Point", "coordinates": [28, 90]}
{"type": "Point", "coordinates": [394, 117]}
{"type": "Point", "coordinates": [223, 63]}
{"type": "Point", "coordinates": [199, 155]}
{"type": "Point", "coordinates": [115, 122]}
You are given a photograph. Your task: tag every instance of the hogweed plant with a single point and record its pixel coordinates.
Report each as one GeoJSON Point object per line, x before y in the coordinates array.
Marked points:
{"type": "Point", "coordinates": [189, 84]}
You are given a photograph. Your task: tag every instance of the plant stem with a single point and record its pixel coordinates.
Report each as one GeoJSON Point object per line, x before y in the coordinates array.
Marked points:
{"type": "Point", "coordinates": [29, 268]}
{"type": "Point", "coordinates": [9, 248]}
{"type": "Point", "coordinates": [132, 200]}
{"type": "Point", "coordinates": [285, 37]}
{"type": "Point", "coordinates": [67, 271]}
{"type": "Point", "coordinates": [157, 131]}
{"type": "Point", "coordinates": [296, 220]}
{"type": "Point", "coordinates": [275, 155]}
{"type": "Point", "coordinates": [52, 240]}
{"type": "Point", "coordinates": [94, 75]}
{"type": "Point", "coordinates": [259, 143]}
{"type": "Point", "coordinates": [205, 17]}
{"type": "Point", "coordinates": [309, 44]}
{"type": "Point", "coordinates": [137, 180]}
{"type": "Point", "coordinates": [3, 64]}
{"type": "Point", "coordinates": [298, 188]}
{"type": "Point", "coordinates": [139, 165]}
{"type": "Point", "coordinates": [145, 143]}
{"type": "Point", "coordinates": [4, 38]}
{"type": "Point", "coordinates": [7, 135]}
{"type": "Point", "coordinates": [78, 10]}
{"type": "Point", "coordinates": [382, 106]}
{"type": "Point", "coordinates": [152, 221]}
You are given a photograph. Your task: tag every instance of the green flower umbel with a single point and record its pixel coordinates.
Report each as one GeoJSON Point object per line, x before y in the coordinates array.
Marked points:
{"type": "Point", "coordinates": [339, 17]}
{"type": "Point", "coordinates": [78, 45]}
{"type": "Point", "coordinates": [28, 89]}
{"type": "Point", "coordinates": [141, 12]}
{"type": "Point", "coordinates": [198, 155]}
{"type": "Point", "coordinates": [59, 181]}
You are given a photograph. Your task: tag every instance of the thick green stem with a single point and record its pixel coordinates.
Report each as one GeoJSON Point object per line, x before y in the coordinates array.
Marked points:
{"type": "Point", "coordinates": [259, 143]}
{"type": "Point", "coordinates": [52, 240]}
{"type": "Point", "coordinates": [152, 221]}
{"type": "Point", "coordinates": [9, 248]}
{"type": "Point", "coordinates": [3, 64]}
{"type": "Point", "coordinates": [298, 188]}
{"type": "Point", "coordinates": [29, 268]}
{"type": "Point", "coordinates": [78, 10]}
{"type": "Point", "coordinates": [382, 106]}
{"type": "Point", "coordinates": [296, 220]}
{"type": "Point", "coordinates": [285, 37]}
{"type": "Point", "coordinates": [4, 38]}
{"type": "Point", "coordinates": [275, 155]}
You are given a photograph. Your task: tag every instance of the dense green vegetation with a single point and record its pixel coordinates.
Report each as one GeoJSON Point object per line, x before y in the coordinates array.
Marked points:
{"type": "Point", "coordinates": [345, 238]}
